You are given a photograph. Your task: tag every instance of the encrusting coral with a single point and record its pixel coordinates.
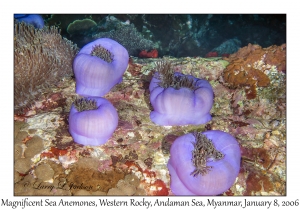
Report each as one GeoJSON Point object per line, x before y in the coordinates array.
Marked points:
{"type": "Point", "coordinates": [42, 58]}
{"type": "Point", "coordinates": [80, 26]}
{"type": "Point", "coordinates": [251, 66]}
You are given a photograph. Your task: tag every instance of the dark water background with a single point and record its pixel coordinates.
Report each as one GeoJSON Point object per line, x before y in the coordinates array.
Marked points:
{"type": "Point", "coordinates": [174, 34]}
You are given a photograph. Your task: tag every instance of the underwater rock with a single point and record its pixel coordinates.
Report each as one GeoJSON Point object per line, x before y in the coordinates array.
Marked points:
{"type": "Point", "coordinates": [18, 151]}
{"type": "Point", "coordinates": [82, 193]}
{"type": "Point", "coordinates": [23, 165]}
{"type": "Point", "coordinates": [140, 191]}
{"type": "Point", "coordinates": [17, 126]}
{"type": "Point", "coordinates": [126, 187]}
{"type": "Point", "coordinates": [98, 193]}
{"type": "Point", "coordinates": [252, 122]}
{"type": "Point", "coordinates": [91, 179]}
{"type": "Point", "coordinates": [17, 177]}
{"type": "Point", "coordinates": [44, 172]}
{"type": "Point", "coordinates": [34, 146]}
{"type": "Point", "coordinates": [132, 180]}
{"type": "Point", "coordinates": [115, 191]}
{"type": "Point", "coordinates": [20, 136]}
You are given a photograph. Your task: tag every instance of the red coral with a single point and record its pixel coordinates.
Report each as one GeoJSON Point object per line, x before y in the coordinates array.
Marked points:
{"type": "Point", "coordinates": [54, 153]}
{"type": "Point", "coordinates": [211, 54]}
{"type": "Point", "coordinates": [145, 54]}
{"type": "Point", "coordinates": [161, 188]}
{"type": "Point", "coordinates": [134, 68]}
{"type": "Point", "coordinates": [47, 155]}
{"type": "Point", "coordinates": [226, 55]}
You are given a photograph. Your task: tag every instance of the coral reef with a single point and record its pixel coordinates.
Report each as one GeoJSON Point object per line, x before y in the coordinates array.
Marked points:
{"type": "Point", "coordinates": [141, 149]}
{"type": "Point", "coordinates": [252, 66]}
{"type": "Point", "coordinates": [129, 37]}
{"type": "Point", "coordinates": [80, 26]}
{"type": "Point", "coordinates": [99, 66]}
{"type": "Point", "coordinates": [42, 58]}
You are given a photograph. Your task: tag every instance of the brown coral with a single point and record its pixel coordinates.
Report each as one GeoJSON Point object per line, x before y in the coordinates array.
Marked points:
{"type": "Point", "coordinates": [41, 59]}
{"type": "Point", "coordinates": [251, 65]}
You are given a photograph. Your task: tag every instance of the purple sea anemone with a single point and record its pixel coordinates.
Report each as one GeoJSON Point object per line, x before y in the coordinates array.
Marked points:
{"type": "Point", "coordinates": [99, 66]}
{"type": "Point", "coordinates": [179, 99]}
{"type": "Point", "coordinates": [92, 121]}
{"type": "Point", "coordinates": [36, 20]}
{"type": "Point", "coordinates": [204, 163]}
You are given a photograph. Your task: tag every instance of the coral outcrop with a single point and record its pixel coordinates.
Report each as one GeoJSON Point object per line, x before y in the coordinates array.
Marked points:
{"type": "Point", "coordinates": [252, 66]}
{"type": "Point", "coordinates": [80, 26]}
{"type": "Point", "coordinates": [129, 37]}
{"type": "Point", "coordinates": [42, 58]}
